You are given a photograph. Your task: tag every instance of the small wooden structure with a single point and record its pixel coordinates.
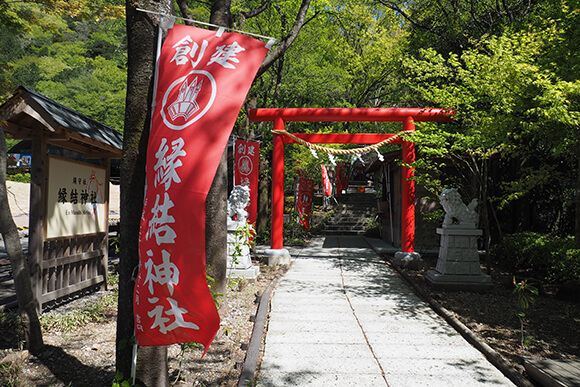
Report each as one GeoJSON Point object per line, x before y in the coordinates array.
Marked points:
{"type": "Point", "coordinates": [75, 260]}
{"type": "Point", "coordinates": [554, 373]}
{"type": "Point", "coordinates": [387, 176]}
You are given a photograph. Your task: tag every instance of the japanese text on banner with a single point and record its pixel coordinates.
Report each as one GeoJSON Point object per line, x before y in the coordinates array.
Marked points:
{"type": "Point", "coordinates": [203, 81]}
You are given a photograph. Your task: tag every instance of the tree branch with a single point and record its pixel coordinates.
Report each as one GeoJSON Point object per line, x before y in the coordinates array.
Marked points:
{"type": "Point", "coordinates": [184, 9]}
{"type": "Point", "coordinates": [396, 8]}
{"type": "Point", "coordinates": [288, 40]}
{"type": "Point", "coordinates": [255, 12]}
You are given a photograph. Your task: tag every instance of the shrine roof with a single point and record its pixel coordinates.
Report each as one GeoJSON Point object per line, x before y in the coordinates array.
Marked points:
{"type": "Point", "coordinates": [28, 112]}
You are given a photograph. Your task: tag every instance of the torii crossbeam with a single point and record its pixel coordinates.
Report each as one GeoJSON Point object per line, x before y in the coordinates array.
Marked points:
{"type": "Point", "coordinates": [408, 116]}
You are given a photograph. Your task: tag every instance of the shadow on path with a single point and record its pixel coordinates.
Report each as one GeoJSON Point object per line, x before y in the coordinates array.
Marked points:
{"type": "Point", "coordinates": [71, 372]}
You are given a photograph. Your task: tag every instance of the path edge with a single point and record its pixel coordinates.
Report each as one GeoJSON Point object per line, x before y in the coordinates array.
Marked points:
{"type": "Point", "coordinates": [252, 358]}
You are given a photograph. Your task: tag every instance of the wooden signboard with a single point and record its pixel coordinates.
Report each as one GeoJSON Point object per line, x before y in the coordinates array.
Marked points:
{"type": "Point", "coordinates": [76, 199]}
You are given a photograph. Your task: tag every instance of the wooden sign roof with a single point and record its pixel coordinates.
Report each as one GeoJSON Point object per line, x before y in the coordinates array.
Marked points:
{"type": "Point", "coordinates": [28, 112]}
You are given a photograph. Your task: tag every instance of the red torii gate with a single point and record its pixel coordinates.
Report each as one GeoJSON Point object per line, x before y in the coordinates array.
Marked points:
{"type": "Point", "coordinates": [408, 116]}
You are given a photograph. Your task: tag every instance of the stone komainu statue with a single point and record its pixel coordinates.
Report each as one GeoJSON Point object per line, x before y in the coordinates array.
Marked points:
{"type": "Point", "coordinates": [456, 209]}
{"type": "Point", "coordinates": [237, 202]}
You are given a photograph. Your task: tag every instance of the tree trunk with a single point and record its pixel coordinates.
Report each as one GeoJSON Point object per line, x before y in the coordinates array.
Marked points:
{"type": "Point", "coordinates": [216, 228]}
{"type": "Point", "coordinates": [221, 14]}
{"type": "Point", "coordinates": [216, 231]}
{"type": "Point", "coordinates": [485, 214]}
{"type": "Point", "coordinates": [263, 197]}
{"type": "Point", "coordinates": [152, 367]}
{"type": "Point", "coordinates": [27, 304]}
{"type": "Point", "coordinates": [142, 46]}
{"type": "Point", "coordinates": [577, 202]}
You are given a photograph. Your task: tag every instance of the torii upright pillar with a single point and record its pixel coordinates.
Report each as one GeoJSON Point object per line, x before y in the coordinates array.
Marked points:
{"type": "Point", "coordinates": [407, 257]}
{"type": "Point", "coordinates": [277, 254]}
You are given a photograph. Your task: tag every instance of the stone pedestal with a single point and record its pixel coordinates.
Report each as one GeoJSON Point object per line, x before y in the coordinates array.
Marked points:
{"type": "Point", "coordinates": [277, 257]}
{"type": "Point", "coordinates": [239, 258]}
{"type": "Point", "coordinates": [412, 261]}
{"type": "Point", "coordinates": [458, 264]}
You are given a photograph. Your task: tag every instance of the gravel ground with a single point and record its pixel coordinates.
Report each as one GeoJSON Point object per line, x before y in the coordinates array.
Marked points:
{"type": "Point", "coordinates": [550, 325]}
{"type": "Point", "coordinates": [85, 355]}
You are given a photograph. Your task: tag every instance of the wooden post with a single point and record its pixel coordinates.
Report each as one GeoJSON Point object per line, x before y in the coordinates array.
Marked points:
{"type": "Point", "coordinates": [105, 260]}
{"type": "Point", "coordinates": [38, 175]}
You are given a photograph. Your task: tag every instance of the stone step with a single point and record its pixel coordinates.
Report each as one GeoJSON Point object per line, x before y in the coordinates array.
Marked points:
{"type": "Point", "coordinates": [352, 223]}
{"type": "Point", "coordinates": [353, 217]}
{"type": "Point", "coordinates": [345, 228]}
{"type": "Point", "coordinates": [357, 210]}
{"type": "Point", "coordinates": [342, 232]}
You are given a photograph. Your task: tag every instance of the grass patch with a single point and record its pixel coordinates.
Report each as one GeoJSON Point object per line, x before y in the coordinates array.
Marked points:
{"type": "Point", "coordinates": [10, 373]}
{"type": "Point", "coordinates": [87, 313]}
{"type": "Point", "coordinates": [10, 322]}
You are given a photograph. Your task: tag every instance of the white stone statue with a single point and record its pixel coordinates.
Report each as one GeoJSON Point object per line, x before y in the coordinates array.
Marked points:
{"type": "Point", "coordinates": [237, 202]}
{"type": "Point", "coordinates": [455, 209]}
{"type": "Point", "coordinates": [239, 258]}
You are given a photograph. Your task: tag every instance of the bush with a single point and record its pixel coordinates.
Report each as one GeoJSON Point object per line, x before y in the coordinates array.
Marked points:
{"type": "Point", "coordinates": [548, 258]}
{"type": "Point", "coordinates": [19, 177]}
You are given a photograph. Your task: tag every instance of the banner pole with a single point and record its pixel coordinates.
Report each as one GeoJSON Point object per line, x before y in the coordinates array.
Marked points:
{"type": "Point", "coordinates": [271, 40]}
{"type": "Point", "coordinates": [234, 169]}
{"type": "Point", "coordinates": [134, 362]}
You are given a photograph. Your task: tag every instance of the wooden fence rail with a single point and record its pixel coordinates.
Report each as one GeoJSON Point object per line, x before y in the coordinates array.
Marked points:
{"type": "Point", "coordinates": [73, 264]}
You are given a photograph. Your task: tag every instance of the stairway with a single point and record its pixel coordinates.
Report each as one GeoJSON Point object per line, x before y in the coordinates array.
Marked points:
{"type": "Point", "coordinates": [353, 216]}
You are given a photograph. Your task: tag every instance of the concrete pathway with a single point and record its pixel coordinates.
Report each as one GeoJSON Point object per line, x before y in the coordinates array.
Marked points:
{"type": "Point", "coordinates": [341, 317]}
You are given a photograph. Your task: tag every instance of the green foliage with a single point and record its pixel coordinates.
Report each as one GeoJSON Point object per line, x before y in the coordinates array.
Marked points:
{"type": "Point", "coordinates": [115, 243]}
{"type": "Point", "coordinates": [515, 113]}
{"type": "Point", "coordinates": [526, 294]}
{"type": "Point", "coordinates": [215, 295]}
{"type": "Point", "coordinates": [294, 232]}
{"type": "Point", "coordinates": [10, 321]}
{"type": "Point", "coordinates": [372, 229]}
{"type": "Point", "coordinates": [549, 258]}
{"type": "Point", "coordinates": [120, 381]}
{"type": "Point", "coordinates": [346, 55]}
{"type": "Point", "coordinates": [454, 25]}
{"type": "Point", "coordinates": [318, 224]}
{"type": "Point", "coordinates": [77, 62]}
{"type": "Point", "coordinates": [184, 349]}
{"type": "Point", "coordinates": [244, 237]}
{"type": "Point", "coordinates": [112, 280]}
{"type": "Point", "coordinates": [263, 236]}
{"type": "Point", "coordinates": [10, 373]}
{"type": "Point", "coordinates": [19, 177]}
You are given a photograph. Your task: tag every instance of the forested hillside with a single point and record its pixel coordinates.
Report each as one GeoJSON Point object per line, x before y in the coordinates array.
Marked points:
{"type": "Point", "coordinates": [74, 56]}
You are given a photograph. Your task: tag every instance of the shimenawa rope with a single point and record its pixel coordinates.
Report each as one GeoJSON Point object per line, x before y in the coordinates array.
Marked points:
{"type": "Point", "coordinates": [343, 152]}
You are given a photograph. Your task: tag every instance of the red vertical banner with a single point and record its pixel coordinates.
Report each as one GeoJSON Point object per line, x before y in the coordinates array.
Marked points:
{"type": "Point", "coordinates": [247, 172]}
{"type": "Point", "coordinates": [326, 182]}
{"type": "Point", "coordinates": [304, 200]}
{"type": "Point", "coordinates": [203, 79]}
{"type": "Point", "coordinates": [340, 178]}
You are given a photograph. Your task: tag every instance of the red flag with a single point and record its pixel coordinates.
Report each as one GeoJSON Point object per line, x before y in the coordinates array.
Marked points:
{"type": "Point", "coordinates": [247, 172]}
{"type": "Point", "coordinates": [326, 182]}
{"type": "Point", "coordinates": [204, 77]}
{"type": "Point", "coordinates": [341, 180]}
{"type": "Point", "coordinates": [338, 183]}
{"type": "Point", "coordinates": [304, 200]}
